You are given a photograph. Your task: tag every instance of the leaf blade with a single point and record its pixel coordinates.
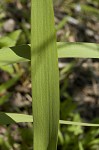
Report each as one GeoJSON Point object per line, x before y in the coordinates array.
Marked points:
{"type": "Point", "coordinates": [10, 118]}
{"type": "Point", "coordinates": [78, 50]}
{"type": "Point", "coordinates": [14, 54]}
{"type": "Point", "coordinates": [18, 118]}
{"type": "Point", "coordinates": [21, 53]}
{"type": "Point", "coordinates": [45, 87]}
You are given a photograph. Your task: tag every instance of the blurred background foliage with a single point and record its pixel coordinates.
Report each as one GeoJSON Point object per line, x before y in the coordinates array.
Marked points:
{"type": "Point", "coordinates": [75, 21]}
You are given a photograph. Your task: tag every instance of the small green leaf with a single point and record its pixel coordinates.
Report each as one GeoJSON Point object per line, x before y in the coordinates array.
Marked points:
{"type": "Point", "coordinates": [14, 54]}
{"type": "Point", "coordinates": [10, 40]}
{"type": "Point", "coordinates": [10, 118]}
{"type": "Point", "coordinates": [15, 35]}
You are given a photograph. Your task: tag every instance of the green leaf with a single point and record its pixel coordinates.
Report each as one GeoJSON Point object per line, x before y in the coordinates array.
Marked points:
{"type": "Point", "coordinates": [6, 42]}
{"type": "Point", "coordinates": [77, 123]}
{"type": "Point", "coordinates": [8, 68]}
{"type": "Point", "coordinates": [10, 118]}
{"type": "Point", "coordinates": [45, 76]}
{"type": "Point", "coordinates": [10, 40]}
{"type": "Point", "coordinates": [80, 50]}
{"type": "Point", "coordinates": [14, 54]}
{"type": "Point", "coordinates": [22, 53]}
{"type": "Point", "coordinates": [15, 35]}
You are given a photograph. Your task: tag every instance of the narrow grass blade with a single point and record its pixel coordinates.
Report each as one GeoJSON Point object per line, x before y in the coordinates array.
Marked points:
{"type": "Point", "coordinates": [78, 123]}
{"type": "Point", "coordinates": [10, 118]}
{"type": "Point", "coordinates": [45, 76]}
{"type": "Point", "coordinates": [22, 53]}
